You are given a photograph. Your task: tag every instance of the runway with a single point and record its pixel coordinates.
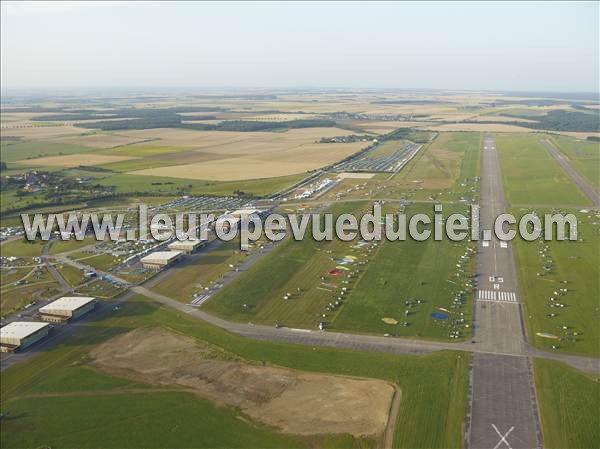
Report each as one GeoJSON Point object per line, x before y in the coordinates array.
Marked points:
{"type": "Point", "coordinates": [502, 406]}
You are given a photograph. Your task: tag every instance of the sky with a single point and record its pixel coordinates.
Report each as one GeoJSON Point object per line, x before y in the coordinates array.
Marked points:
{"type": "Point", "coordinates": [513, 46]}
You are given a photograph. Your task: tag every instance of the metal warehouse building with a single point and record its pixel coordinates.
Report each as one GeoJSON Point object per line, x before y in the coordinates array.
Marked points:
{"type": "Point", "coordinates": [186, 246]}
{"type": "Point", "coordinates": [67, 308]}
{"type": "Point", "coordinates": [160, 259]}
{"type": "Point", "coordinates": [21, 334]}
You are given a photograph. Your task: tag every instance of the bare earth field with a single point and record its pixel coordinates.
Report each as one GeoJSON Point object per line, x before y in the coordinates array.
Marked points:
{"type": "Point", "coordinates": [74, 160]}
{"type": "Point", "coordinates": [293, 401]}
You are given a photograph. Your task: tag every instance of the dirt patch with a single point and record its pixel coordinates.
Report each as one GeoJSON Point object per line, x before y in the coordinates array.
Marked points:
{"type": "Point", "coordinates": [294, 401]}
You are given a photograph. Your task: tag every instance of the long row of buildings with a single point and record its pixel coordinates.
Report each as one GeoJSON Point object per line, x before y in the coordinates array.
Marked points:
{"type": "Point", "coordinates": [21, 334]}
{"type": "Point", "coordinates": [176, 250]}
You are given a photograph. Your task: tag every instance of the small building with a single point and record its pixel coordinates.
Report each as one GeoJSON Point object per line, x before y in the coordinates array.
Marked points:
{"type": "Point", "coordinates": [21, 334]}
{"type": "Point", "coordinates": [186, 246]}
{"type": "Point", "coordinates": [67, 308]}
{"type": "Point", "coordinates": [161, 259]}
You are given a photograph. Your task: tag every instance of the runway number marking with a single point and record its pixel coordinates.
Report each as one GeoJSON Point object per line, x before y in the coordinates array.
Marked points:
{"type": "Point", "coordinates": [503, 437]}
{"type": "Point", "coordinates": [496, 286]}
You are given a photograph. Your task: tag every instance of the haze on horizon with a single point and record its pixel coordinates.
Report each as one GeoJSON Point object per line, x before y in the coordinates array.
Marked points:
{"type": "Point", "coordinates": [469, 46]}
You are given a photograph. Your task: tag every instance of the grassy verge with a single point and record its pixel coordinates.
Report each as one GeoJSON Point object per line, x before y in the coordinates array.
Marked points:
{"type": "Point", "coordinates": [568, 402]}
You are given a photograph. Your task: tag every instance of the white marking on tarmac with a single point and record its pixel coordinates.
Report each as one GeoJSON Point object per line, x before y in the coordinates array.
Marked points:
{"type": "Point", "coordinates": [503, 437]}
{"type": "Point", "coordinates": [485, 244]}
{"type": "Point", "coordinates": [503, 245]}
{"type": "Point", "coordinates": [492, 295]}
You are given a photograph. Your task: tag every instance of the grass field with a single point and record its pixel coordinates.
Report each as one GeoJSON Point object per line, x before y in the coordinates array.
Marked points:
{"type": "Point", "coordinates": [568, 402]}
{"type": "Point", "coordinates": [444, 169]}
{"type": "Point", "coordinates": [193, 274]}
{"type": "Point", "coordinates": [531, 176]}
{"type": "Point", "coordinates": [40, 285]}
{"type": "Point", "coordinates": [578, 263]}
{"type": "Point", "coordinates": [584, 156]}
{"type": "Point", "coordinates": [171, 186]}
{"type": "Point", "coordinates": [378, 283]}
{"type": "Point", "coordinates": [22, 248]}
{"type": "Point", "coordinates": [48, 394]}
{"type": "Point", "coordinates": [410, 270]}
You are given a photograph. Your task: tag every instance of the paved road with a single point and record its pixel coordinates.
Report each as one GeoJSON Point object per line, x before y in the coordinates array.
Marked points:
{"type": "Point", "coordinates": [53, 271]}
{"type": "Point", "coordinates": [589, 190]}
{"type": "Point", "coordinates": [501, 404]}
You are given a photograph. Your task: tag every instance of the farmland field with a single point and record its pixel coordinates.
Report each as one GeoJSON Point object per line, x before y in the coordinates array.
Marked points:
{"type": "Point", "coordinates": [531, 176]}
{"type": "Point", "coordinates": [568, 404]}
{"type": "Point", "coordinates": [38, 389]}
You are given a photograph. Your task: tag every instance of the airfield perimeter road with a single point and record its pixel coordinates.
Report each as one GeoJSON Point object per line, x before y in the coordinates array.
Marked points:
{"type": "Point", "coordinates": [581, 182]}
{"type": "Point", "coordinates": [502, 404]}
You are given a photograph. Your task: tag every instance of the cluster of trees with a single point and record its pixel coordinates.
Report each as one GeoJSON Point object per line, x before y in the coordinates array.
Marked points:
{"type": "Point", "coordinates": [561, 120]}
{"type": "Point", "coordinates": [175, 121]}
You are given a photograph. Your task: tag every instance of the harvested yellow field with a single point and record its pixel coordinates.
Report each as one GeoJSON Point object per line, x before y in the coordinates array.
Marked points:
{"type": "Point", "coordinates": [74, 160]}
{"type": "Point", "coordinates": [99, 140]}
{"type": "Point", "coordinates": [34, 132]}
{"type": "Point", "coordinates": [233, 141]}
{"type": "Point", "coordinates": [260, 163]}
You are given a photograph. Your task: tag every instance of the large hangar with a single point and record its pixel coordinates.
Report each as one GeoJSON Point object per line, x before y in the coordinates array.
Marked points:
{"type": "Point", "coordinates": [67, 308]}
{"type": "Point", "coordinates": [21, 334]}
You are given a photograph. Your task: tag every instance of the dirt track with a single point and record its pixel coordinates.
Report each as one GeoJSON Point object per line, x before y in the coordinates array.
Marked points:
{"type": "Point", "coordinates": [293, 401]}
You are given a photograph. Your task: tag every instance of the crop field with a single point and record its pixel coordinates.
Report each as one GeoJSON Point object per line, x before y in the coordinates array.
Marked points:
{"type": "Point", "coordinates": [262, 164]}
{"type": "Point", "coordinates": [59, 393]}
{"type": "Point", "coordinates": [584, 156]}
{"type": "Point", "coordinates": [304, 283]}
{"type": "Point", "coordinates": [24, 151]}
{"type": "Point", "coordinates": [99, 140]}
{"type": "Point", "coordinates": [568, 401]}
{"type": "Point", "coordinates": [73, 160]}
{"type": "Point", "coordinates": [531, 176]}
{"type": "Point", "coordinates": [542, 268]}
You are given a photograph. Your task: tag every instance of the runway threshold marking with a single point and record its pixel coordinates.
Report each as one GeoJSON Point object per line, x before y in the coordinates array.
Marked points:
{"type": "Point", "coordinates": [492, 295]}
